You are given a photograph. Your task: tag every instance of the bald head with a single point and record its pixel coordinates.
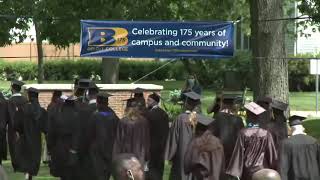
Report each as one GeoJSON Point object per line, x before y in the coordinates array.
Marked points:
{"type": "Point", "coordinates": [127, 167]}
{"type": "Point", "coordinates": [266, 174]}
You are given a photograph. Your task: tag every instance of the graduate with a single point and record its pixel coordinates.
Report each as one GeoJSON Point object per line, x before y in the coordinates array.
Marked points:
{"type": "Point", "coordinates": [227, 124]}
{"type": "Point", "coordinates": [15, 119]}
{"type": "Point", "coordinates": [204, 158]}
{"type": "Point", "coordinates": [180, 135]}
{"type": "Point", "coordinates": [299, 156]}
{"type": "Point", "coordinates": [254, 149]}
{"type": "Point", "coordinates": [3, 127]}
{"type": "Point", "coordinates": [103, 126]}
{"type": "Point", "coordinates": [278, 125]}
{"type": "Point", "coordinates": [159, 128]}
{"type": "Point", "coordinates": [133, 133]}
{"type": "Point", "coordinates": [63, 141]}
{"type": "Point", "coordinates": [29, 134]}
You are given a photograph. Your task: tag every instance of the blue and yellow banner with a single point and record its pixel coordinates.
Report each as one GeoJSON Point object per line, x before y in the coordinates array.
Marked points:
{"type": "Point", "coordinates": [152, 39]}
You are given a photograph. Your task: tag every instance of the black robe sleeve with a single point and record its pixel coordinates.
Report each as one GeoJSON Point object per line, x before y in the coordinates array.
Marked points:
{"type": "Point", "coordinates": [285, 161]}
{"type": "Point", "coordinates": [235, 167]}
{"type": "Point", "coordinates": [172, 141]}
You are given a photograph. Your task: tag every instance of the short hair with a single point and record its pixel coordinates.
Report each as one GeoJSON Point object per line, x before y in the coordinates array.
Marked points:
{"type": "Point", "coordinates": [127, 167]}
{"type": "Point", "coordinates": [16, 87]}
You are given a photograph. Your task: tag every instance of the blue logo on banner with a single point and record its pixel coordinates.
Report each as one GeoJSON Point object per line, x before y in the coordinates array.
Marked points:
{"type": "Point", "coordinates": [156, 39]}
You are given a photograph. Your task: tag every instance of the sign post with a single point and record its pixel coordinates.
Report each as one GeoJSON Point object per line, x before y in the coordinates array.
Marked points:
{"type": "Point", "coordinates": [314, 69]}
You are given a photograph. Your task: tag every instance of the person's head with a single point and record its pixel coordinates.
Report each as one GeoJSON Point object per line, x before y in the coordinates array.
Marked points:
{"type": "Point", "coordinates": [253, 111]}
{"type": "Point", "coordinates": [191, 81]}
{"type": "Point", "coordinates": [56, 95]}
{"type": "Point", "coordinates": [296, 124]}
{"type": "Point", "coordinates": [138, 93]}
{"type": "Point", "coordinates": [203, 124]}
{"type": "Point", "coordinates": [192, 100]}
{"type": "Point", "coordinates": [127, 167]}
{"type": "Point", "coordinates": [103, 99]}
{"type": "Point", "coordinates": [229, 103]}
{"type": "Point", "coordinates": [266, 174]}
{"type": "Point", "coordinates": [81, 87]}
{"type": "Point", "coordinates": [33, 93]}
{"type": "Point", "coordinates": [153, 100]}
{"type": "Point", "coordinates": [16, 86]}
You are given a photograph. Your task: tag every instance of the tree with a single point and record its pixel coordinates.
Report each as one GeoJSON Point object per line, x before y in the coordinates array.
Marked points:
{"type": "Point", "coordinates": [270, 66]}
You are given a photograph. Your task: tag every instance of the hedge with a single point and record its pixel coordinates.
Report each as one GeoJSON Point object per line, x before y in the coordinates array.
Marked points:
{"type": "Point", "coordinates": [68, 69]}
{"type": "Point", "coordinates": [211, 73]}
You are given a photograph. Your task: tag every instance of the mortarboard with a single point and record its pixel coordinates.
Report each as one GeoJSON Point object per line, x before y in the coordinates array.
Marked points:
{"type": "Point", "coordinates": [155, 97]}
{"type": "Point", "coordinates": [231, 98]}
{"type": "Point", "coordinates": [192, 95]}
{"type": "Point", "coordinates": [279, 105]}
{"type": "Point", "coordinates": [17, 83]}
{"type": "Point", "coordinates": [206, 121]}
{"type": "Point", "coordinates": [84, 83]}
{"type": "Point", "coordinates": [254, 108]}
{"type": "Point", "coordinates": [33, 90]}
{"type": "Point", "coordinates": [138, 90]}
{"type": "Point", "coordinates": [296, 120]}
{"type": "Point", "coordinates": [265, 99]}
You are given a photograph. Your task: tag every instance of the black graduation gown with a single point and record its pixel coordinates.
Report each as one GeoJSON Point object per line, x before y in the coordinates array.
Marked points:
{"type": "Point", "coordinates": [15, 119]}
{"type": "Point", "coordinates": [133, 137]}
{"type": "Point", "coordinates": [278, 129]}
{"type": "Point", "coordinates": [227, 127]}
{"type": "Point", "coordinates": [159, 128]}
{"type": "Point", "coordinates": [254, 150]}
{"type": "Point", "coordinates": [64, 136]}
{"type": "Point", "coordinates": [102, 135]}
{"type": "Point", "coordinates": [204, 158]}
{"type": "Point", "coordinates": [180, 135]}
{"type": "Point", "coordinates": [300, 158]}
{"type": "Point", "coordinates": [3, 128]}
{"type": "Point", "coordinates": [28, 145]}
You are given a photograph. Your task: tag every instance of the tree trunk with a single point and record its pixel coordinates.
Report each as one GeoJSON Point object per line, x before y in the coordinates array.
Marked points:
{"type": "Point", "coordinates": [110, 70]}
{"type": "Point", "coordinates": [268, 48]}
{"type": "Point", "coordinates": [40, 54]}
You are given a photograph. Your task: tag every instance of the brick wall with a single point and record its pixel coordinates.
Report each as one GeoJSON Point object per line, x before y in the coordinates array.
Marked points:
{"type": "Point", "coordinates": [117, 102]}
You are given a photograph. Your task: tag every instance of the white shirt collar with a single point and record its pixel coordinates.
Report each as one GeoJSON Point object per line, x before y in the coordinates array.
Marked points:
{"type": "Point", "coordinates": [93, 101]}
{"type": "Point", "coordinates": [154, 107]}
{"type": "Point", "coordinates": [16, 94]}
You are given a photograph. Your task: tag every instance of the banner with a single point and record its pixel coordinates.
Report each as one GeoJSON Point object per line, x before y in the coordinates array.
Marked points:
{"type": "Point", "coordinates": [152, 39]}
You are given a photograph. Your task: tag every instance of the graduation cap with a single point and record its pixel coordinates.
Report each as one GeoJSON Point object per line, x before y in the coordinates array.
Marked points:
{"type": "Point", "coordinates": [204, 120]}
{"type": "Point", "coordinates": [84, 83]}
{"type": "Point", "coordinates": [296, 120]}
{"type": "Point", "coordinates": [279, 105]}
{"type": "Point", "coordinates": [155, 97]}
{"type": "Point", "coordinates": [254, 108]}
{"type": "Point", "coordinates": [265, 99]}
{"type": "Point", "coordinates": [17, 83]}
{"type": "Point", "coordinates": [33, 90]}
{"type": "Point", "coordinates": [192, 95]}
{"type": "Point", "coordinates": [138, 90]}
{"type": "Point", "coordinates": [231, 98]}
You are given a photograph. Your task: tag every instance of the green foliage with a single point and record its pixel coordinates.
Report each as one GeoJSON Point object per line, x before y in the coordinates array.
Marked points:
{"type": "Point", "coordinates": [212, 73]}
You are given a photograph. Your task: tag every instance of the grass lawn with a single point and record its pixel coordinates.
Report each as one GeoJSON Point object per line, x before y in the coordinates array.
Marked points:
{"type": "Point", "coordinates": [302, 101]}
